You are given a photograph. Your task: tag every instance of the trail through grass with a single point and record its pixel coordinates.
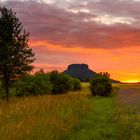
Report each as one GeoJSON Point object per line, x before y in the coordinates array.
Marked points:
{"type": "Point", "coordinates": [99, 123]}
{"type": "Point", "coordinates": [113, 118]}
{"type": "Point", "coordinates": [73, 116]}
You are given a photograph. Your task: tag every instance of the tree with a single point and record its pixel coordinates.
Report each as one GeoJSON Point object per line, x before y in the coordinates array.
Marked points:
{"type": "Point", "coordinates": [40, 71]}
{"type": "Point", "coordinates": [15, 54]}
{"type": "Point", "coordinates": [100, 85]}
{"type": "Point", "coordinates": [61, 83]}
{"type": "Point", "coordinates": [106, 74]}
{"type": "Point", "coordinates": [38, 84]}
{"type": "Point", "coordinates": [76, 84]}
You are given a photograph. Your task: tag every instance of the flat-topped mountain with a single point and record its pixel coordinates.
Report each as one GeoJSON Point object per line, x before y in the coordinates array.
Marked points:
{"type": "Point", "coordinates": [82, 72]}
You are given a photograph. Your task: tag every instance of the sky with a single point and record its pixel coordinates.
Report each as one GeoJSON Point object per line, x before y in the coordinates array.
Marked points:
{"type": "Point", "coordinates": [105, 34]}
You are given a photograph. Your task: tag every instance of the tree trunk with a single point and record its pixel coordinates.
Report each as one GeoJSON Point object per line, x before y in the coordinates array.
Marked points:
{"type": "Point", "coordinates": [7, 92]}
{"type": "Point", "coordinates": [6, 86]}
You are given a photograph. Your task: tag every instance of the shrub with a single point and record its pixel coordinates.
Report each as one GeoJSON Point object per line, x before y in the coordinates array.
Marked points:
{"type": "Point", "coordinates": [100, 85]}
{"type": "Point", "coordinates": [76, 84]}
{"type": "Point", "coordinates": [60, 82]}
{"type": "Point", "coordinates": [38, 84]}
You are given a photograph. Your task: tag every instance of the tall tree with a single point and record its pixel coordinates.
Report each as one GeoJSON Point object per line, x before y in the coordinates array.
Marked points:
{"type": "Point", "coordinates": [15, 54]}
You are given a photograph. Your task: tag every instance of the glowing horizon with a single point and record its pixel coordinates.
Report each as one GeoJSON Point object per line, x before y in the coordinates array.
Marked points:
{"type": "Point", "coordinates": [123, 76]}
{"type": "Point", "coordinates": [130, 81]}
{"type": "Point", "coordinates": [104, 34]}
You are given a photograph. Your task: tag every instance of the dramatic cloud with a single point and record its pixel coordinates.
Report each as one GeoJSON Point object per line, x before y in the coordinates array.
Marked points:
{"type": "Point", "coordinates": [95, 24]}
{"type": "Point", "coordinates": [103, 33]}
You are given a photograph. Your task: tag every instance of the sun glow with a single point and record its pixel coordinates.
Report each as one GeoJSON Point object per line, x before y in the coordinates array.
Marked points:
{"type": "Point", "coordinates": [131, 81]}
{"type": "Point", "coordinates": [118, 67]}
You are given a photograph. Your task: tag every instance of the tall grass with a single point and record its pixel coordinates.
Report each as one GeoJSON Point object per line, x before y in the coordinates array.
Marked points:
{"type": "Point", "coordinates": [128, 112]}
{"type": "Point", "coordinates": [73, 116]}
{"type": "Point", "coordinates": [41, 117]}
{"type": "Point", "coordinates": [99, 124]}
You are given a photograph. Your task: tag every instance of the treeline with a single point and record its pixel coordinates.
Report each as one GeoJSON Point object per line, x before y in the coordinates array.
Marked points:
{"type": "Point", "coordinates": [54, 83]}
{"type": "Point", "coordinates": [44, 84]}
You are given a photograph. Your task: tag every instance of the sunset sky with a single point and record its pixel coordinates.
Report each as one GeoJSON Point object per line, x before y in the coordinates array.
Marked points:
{"type": "Point", "coordinates": [105, 34]}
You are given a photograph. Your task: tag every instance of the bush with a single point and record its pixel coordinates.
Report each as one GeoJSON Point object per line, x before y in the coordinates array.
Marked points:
{"type": "Point", "coordinates": [61, 83]}
{"type": "Point", "coordinates": [76, 84]}
{"type": "Point", "coordinates": [38, 84]}
{"type": "Point", "coordinates": [41, 83]}
{"type": "Point", "coordinates": [101, 85]}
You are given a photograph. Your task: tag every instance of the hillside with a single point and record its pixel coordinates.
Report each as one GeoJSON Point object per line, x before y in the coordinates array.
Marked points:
{"type": "Point", "coordinates": [82, 72]}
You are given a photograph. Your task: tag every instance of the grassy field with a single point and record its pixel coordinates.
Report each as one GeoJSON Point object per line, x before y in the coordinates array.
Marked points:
{"type": "Point", "coordinates": [128, 112]}
{"type": "Point", "coordinates": [42, 117]}
{"type": "Point", "coordinates": [99, 124]}
{"type": "Point", "coordinates": [73, 116]}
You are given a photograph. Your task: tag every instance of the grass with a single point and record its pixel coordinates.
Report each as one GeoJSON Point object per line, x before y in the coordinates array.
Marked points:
{"type": "Point", "coordinates": [128, 112]}
{"type": "Point", "coordinates": [41, 118]}
{"type": "Point", "coordinates": [99, 124]}
{"type": "Point", "coordinates": [73, 116]}
{"type": "Point", "coordinates": [76, 115]}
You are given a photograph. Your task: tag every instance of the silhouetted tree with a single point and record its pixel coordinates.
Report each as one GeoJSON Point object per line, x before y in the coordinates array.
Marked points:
{"type": "Point", "coordinates": [40, 71]}
{"type": "Point", "coordinates": [106, 74]}
{"type": "Point", "coordinates": [15, 54]}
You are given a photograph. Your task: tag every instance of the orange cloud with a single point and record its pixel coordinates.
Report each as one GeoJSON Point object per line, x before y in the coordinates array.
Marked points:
{"type": "Point", "coordinates": [106, 36]}
{"type": "Point", "coordinates": [121, 63]}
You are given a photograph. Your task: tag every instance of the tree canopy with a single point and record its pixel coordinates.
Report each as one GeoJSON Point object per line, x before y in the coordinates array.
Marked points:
{"type": "Point", "coordinates": [15, 54]}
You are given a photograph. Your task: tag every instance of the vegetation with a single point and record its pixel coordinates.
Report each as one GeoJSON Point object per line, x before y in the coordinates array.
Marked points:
{"type": "Point", "coordinates": [100, 85]}
{"type": "Point", "coordinates": [41, 117]}
{"type": "Point", "coordinates": [128, 112]}
{"type": "Point", "coordinates": [99, 124]}
{"type": "Point", "coordinates": [1, 90]}
{"type": "Point", "coordinates": [38, 84]}
{"type": "Point", "coordinates": [43, 83]}
{"type": "Point", "coordinates": [61, 83]}
{"type": "Point", "coordinates": [15, 54]}
{"type": "Point", "coordinates": [106, 74]}
{"type": "Point", "coordinates": [76, 84]}
{"type": "Point", "coordinates": [76, 115]}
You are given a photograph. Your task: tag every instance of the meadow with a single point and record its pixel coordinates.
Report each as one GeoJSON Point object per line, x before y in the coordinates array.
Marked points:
{"type": "Point", "coordinates": [128, 112]}
{"type": "Point", "coordinates": [73, 116]}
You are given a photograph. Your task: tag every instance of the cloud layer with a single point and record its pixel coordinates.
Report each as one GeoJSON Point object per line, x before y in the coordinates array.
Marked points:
{"type": "Point", "coordinates": [103, 33]}
{"type": "Point", "coordinates": [94, 24]}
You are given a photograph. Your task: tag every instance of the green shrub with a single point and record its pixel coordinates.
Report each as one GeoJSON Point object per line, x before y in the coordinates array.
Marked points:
{"type": "Point", "coordinates": [76, 84]}
{"type": "Point", "coordinates": [38, 84]}
{"type": "Point", "coordinates": [100, 85]}
{"type": "Point", "coordinates": [61, 83]}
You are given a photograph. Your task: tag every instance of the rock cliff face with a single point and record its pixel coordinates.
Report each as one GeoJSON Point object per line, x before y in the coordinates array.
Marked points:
{"type": "Point", "coordinates": [80, 71]}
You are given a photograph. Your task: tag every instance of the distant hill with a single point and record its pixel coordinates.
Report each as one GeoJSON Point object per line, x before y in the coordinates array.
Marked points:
{"type": "Point", "coordinates": [82, 72]}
